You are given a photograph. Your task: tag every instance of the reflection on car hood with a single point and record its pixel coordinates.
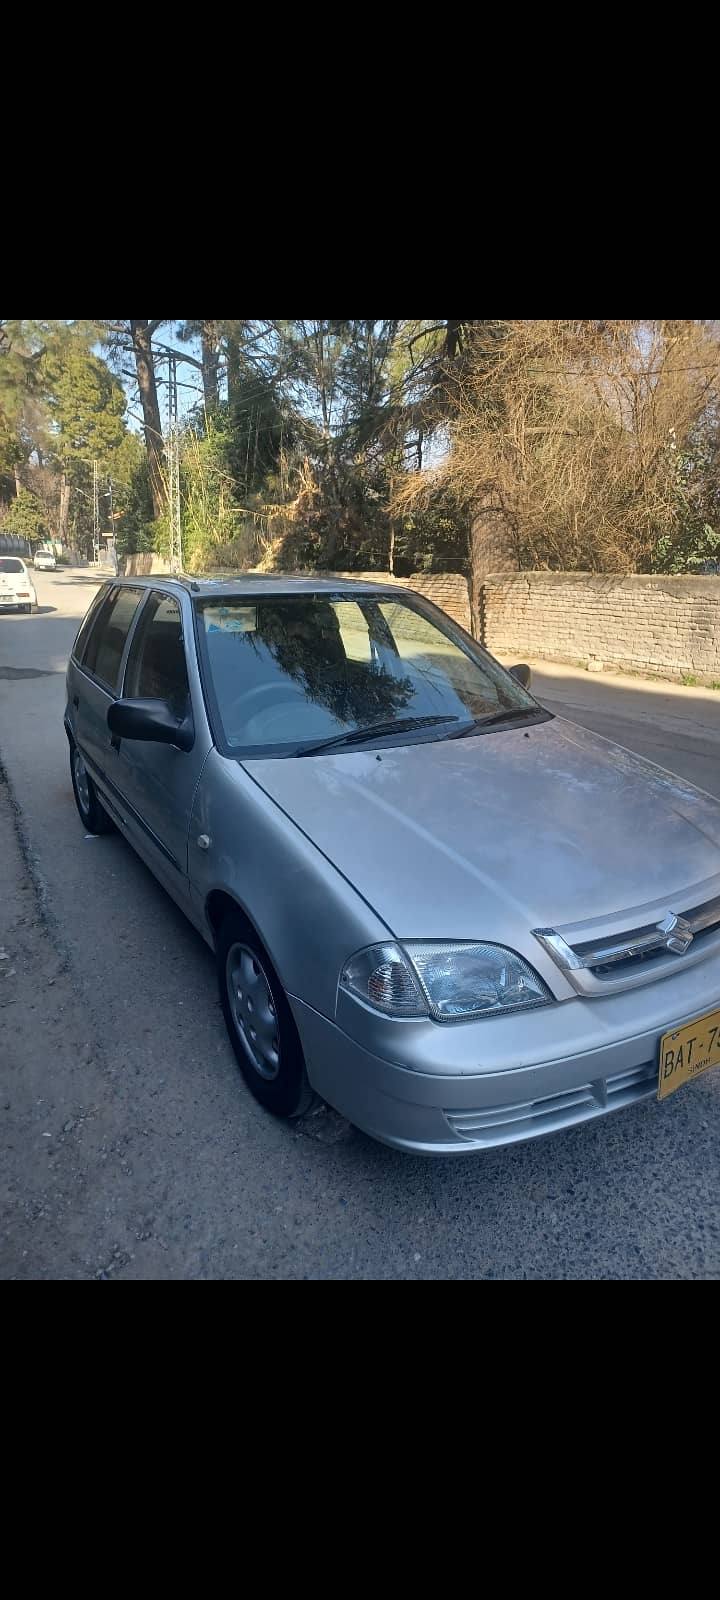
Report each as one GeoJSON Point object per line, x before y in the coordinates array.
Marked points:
{"type": "Point", "coordinates": [494, 835]}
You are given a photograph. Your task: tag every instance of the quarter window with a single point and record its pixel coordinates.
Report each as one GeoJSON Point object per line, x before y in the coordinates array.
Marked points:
{"type": "Point", "coordinates": [156, 668]}
{"type": "Point", "coordinates": [105, 646]}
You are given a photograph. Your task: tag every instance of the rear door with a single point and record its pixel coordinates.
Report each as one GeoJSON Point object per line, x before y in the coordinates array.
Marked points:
{"type": "Point", "coordinates": [97, 682]}
{"type": "Point", "coordinates": [156, 781]}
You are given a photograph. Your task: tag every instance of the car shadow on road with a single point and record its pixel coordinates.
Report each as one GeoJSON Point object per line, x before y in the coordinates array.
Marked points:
{"type": "Point", "coordinates": [94, 577]}
{"type": "Point", "coordinates": [37, 611]}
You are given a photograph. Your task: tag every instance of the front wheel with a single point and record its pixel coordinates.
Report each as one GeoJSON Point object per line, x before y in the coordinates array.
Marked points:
{"type": "Point", "coordinates": [260, 1023]}
{"type": "Point", "coordinates": [92, 815]}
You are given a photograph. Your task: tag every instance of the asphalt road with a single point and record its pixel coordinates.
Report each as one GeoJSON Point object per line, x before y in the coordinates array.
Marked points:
{"type": "Point", "coordinates": [133, 1147]}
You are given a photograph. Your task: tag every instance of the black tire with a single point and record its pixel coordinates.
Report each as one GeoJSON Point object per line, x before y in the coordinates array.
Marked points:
{"type": "Point", "coordinates": [27, 610]}
{"type": "Point", "coordinates": [288, 1093]}
{"type": "Point", "coordinates": [92, 816]}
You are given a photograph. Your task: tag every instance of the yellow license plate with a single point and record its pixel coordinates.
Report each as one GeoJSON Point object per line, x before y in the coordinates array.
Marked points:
{"type": "Point", "coordinates": [688, 1052]}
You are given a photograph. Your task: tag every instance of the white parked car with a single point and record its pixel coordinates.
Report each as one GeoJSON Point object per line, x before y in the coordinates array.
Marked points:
{"type": "Point", "coordinates": [16, 586]}
{"type": "Point", "coordinates": [45, 560]}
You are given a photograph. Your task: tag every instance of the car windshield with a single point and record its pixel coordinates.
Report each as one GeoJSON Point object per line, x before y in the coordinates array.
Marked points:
{"type": "Point", "coordinates": [286, 671]}
{"type": "Point", "coordinates": [11, 564]}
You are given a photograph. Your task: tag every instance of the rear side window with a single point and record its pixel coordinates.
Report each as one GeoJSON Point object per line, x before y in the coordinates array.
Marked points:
{"type": "Point", "coordinates": [156, 666]}
{"type": "Point", "coordinates": [106, 643]}
{"type": "Point", "coordinates": [90, 618]}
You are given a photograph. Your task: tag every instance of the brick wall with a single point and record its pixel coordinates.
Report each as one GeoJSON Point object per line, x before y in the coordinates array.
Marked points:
{"type": "Point", "coordinates": [669, 626]}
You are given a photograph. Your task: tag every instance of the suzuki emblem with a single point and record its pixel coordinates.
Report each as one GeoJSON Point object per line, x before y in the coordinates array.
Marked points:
{"type": "Point", "coordinates": [677, 932]}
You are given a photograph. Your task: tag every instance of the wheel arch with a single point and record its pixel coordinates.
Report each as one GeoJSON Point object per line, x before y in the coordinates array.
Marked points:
{"type": "Point", "coordinates": [218, 905]}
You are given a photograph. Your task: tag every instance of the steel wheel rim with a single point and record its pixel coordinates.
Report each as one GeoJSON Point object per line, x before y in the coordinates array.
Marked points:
{"type": "Point", "coordinates": [253, 1010]}
{"type": "Point", "coordinates": [81, 781]}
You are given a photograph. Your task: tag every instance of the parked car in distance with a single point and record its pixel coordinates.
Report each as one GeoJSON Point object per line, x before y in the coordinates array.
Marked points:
{"type": "Point", "coordinates": [17, 589]}
{"type": "Point", "coordinates": [45, 560]}
{"type": "Point", "coordinates": [460, 920]}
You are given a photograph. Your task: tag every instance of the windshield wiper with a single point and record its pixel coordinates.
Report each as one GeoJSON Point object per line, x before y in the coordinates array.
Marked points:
{"type": "Point", "coordinates": [357, 735]}
{"type": "Point", "coordinates": [512, 715]}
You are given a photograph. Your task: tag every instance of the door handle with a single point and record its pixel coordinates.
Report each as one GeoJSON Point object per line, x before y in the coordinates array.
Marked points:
{"type": "Point", "coordinates": [76, 702]}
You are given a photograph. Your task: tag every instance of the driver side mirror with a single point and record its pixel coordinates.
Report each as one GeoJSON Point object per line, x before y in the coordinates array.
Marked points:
{"type": "Point", "coordinates": [522, 673]}
{"type": "Point", "coordinates": [151, 720]}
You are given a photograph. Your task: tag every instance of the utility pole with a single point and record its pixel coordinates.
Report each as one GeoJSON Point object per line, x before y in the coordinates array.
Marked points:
{"type": "Point", "coordinates": [173, 468]}
{"type": "Point", "coordinates": [96, 515]}
{"type": "Point", "coordinates": [113, 540]}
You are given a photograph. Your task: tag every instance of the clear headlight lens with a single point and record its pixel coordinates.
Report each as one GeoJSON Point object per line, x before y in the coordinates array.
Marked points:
{"type": "Point", "coordinates": [475, 980]}
{"type": "Point", "coordinates": [450, 981]}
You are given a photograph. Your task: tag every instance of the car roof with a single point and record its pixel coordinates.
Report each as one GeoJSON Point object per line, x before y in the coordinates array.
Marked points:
{"type": "Point", "coordinates": [249, 583]}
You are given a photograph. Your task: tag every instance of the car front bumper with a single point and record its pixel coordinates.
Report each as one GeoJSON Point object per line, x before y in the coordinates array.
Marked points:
{"type": "Point", "coordinates": [551, 1069]}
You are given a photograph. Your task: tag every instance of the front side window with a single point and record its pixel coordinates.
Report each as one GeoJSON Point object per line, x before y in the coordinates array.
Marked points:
{"type": "Point", "coordinates": [288, 670]}
{"type": "Point", "coordinates": [106, 642]}
{"type": "Point", "coordinates": [156, 666]}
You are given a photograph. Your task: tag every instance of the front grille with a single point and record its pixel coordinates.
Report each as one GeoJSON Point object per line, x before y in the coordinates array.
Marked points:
{"type": "Point", "coordinates": [614, 955]}
{"type": "Point", "coordinates": [527, 1119]}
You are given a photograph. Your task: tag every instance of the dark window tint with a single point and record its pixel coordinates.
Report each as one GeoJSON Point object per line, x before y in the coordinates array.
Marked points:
{"type": "Point", "coordinates": [156, 667]}
{"type": "Point", "coordinates": [107, 640]}
{"type": "Point", "coordinates": [10, 564]}
{"type": "Point", "coordinates": [90, 617]}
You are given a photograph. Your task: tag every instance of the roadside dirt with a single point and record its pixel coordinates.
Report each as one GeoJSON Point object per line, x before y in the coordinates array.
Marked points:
{"type": "Point", "coordinates": [60, 1145]}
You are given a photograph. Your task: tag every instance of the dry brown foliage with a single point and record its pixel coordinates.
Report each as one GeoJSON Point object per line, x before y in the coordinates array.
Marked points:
{"type": "Point", "coordinates": [572, 431]}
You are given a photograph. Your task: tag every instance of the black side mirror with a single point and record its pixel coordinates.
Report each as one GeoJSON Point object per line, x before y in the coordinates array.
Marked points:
{"type": "Point", "coordinates": [522, 673]}
{"type": "Point", "coordinates": [151, 720]}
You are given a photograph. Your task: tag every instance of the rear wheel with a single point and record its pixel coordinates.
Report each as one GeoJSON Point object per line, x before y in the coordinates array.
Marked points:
{"type": "Point", "coordinates": [260, 1023]}
{"type": "Point", "coordinates": [92, 815]}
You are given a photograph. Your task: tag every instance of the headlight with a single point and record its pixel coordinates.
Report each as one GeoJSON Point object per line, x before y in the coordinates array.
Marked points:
{"type": "Point", "coordinates": [451, 982]}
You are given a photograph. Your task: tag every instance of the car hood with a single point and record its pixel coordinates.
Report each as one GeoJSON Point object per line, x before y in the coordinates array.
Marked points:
{"type": "Point", "coordinates": [491, 836]}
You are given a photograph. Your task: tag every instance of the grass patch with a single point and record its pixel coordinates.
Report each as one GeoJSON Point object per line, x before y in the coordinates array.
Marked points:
{"type": "Point", "coordinates": [689, 680]}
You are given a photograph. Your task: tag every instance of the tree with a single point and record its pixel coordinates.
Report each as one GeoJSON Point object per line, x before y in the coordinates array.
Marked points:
{"type": "Point", "coordinates": [136, 338]}
{"type": "Point", "coordinates": [86, 409]}
{"type": "Point", "coordinates": [26, 517]}
{"type": "Point", "coordinates": [568, 434]}
{"type": "Point", "coordinates": [209, 335]}
{"type": "Point", "coordinates": [25, 349]}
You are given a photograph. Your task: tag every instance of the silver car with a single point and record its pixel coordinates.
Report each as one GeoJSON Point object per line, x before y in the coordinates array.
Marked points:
{"type": "Point", "coordinates": [456, 918]}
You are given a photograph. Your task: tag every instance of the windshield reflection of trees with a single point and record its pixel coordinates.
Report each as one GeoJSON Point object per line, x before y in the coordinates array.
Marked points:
{"type": "Point", "coordinates": [306, 642]}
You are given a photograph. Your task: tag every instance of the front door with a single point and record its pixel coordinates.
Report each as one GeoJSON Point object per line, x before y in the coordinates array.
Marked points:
{"type": "Point", "coordinates": [156, 781]}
